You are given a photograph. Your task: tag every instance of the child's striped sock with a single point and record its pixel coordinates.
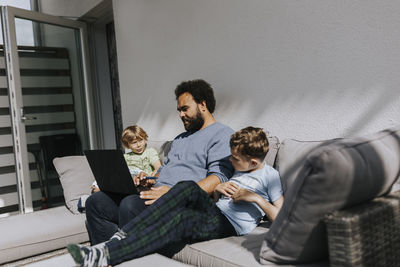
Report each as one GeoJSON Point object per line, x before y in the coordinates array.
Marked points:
{"type": "Point", "coordinates": [119, 235]}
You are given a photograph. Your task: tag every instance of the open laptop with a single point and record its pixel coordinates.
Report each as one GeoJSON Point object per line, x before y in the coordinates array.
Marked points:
{"type": "Point", "coordinates": [111, 171]}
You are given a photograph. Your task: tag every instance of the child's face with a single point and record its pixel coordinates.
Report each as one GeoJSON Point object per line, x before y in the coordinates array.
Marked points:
{"type": "Point", "coordinates": [138, 146]}
{"type": "Point", "coordinates": [240, 162]}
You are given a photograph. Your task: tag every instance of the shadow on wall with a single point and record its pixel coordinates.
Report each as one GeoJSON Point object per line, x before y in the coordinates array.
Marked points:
{"type": "Point", "coordinates": [160, 120]}
{"type": "Point", "coordinates": [311, 115]}
{"type": "Point", "coordinates": [300, 114]}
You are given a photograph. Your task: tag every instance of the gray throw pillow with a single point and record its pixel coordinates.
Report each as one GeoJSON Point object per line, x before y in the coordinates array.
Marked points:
{"type": "Point", "coordinates": [334, 176]}
{"type": "Point", "coordinates": [76, 177]}
{"type": "Point", "coordinates": [291, 157]}
{"type": "Point", "coordinates": [273, 150]}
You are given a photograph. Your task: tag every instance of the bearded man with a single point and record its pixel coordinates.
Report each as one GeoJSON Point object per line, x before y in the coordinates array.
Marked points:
{"type": "Point", "coordinates": [200, 154]}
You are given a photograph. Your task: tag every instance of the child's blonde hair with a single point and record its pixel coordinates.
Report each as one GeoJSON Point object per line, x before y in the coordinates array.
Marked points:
{"type": "Point", "coordinates": [132, 133]}
{"type": "Point", "coordinates": [251, 142]}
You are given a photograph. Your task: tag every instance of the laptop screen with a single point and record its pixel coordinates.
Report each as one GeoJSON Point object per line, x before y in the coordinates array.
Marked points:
{"type": "Point", "coordinates": [111, 171]}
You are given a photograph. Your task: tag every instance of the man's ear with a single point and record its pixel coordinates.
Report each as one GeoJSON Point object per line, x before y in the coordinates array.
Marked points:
{"type": "Point", "coordinates": [203, 105]}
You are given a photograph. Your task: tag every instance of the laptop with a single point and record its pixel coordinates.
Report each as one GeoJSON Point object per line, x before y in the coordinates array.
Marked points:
{"type": "Point", "coordinates": [111, 171]}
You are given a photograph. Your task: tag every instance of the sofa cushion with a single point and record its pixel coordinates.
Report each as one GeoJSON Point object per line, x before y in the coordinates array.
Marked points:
{"type": "Point", "coordinates": [163, 147]}
{"type": "Point", "coordinates": [40, 231]}
{"type": "Point", "coordinates": [76, 177]}
{"type": "Point", "coordinates": [230, 252]}
{"type": "Point", "coordinates": [334, 176]}
{"type": "Point", "coordinates": [149, 260]}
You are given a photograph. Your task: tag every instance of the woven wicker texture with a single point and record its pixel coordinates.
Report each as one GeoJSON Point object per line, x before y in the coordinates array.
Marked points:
{"type": "Point", "coordinates": [367, 234]}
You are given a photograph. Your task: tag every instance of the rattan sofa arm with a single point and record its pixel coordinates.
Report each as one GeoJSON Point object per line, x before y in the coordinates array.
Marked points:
{"type": "Point", "coordinates": [367, 234]}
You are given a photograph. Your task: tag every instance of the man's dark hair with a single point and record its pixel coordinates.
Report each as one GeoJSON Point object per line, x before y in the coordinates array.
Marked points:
{"type": "Point", "coordinates": [200, 90]}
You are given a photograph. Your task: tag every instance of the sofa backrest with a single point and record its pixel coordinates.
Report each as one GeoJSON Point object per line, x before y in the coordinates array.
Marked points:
{"type": "Point", "coordinates": [163, 147]}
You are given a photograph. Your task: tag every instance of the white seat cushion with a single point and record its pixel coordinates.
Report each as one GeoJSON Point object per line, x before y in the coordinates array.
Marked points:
{"type": "Point", "coordinates": [38, 232]}
{"type": "Point", "coordinates": [231, 252]}
{"type": "Point", "coordinates": [149, 260]}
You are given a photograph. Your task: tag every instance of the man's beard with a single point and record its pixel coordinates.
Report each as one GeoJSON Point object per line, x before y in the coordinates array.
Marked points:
{"type": "Point", "coordinates": [195, 123]}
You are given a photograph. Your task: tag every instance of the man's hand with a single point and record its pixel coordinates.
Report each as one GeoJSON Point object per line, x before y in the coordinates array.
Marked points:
{"type": "Point", "coordinates": [154, 193]}
{"type": "Point", "coordinates": [227, 189]}
{"type": "Point", "coordinates": [245, 195]}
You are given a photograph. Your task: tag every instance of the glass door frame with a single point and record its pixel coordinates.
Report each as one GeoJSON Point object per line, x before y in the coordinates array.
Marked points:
{"type": "Point", "coordinates": [9, 14]}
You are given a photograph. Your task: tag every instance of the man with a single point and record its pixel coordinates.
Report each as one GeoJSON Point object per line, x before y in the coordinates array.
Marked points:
{"type": "Point", "coordinates": [200, 154]}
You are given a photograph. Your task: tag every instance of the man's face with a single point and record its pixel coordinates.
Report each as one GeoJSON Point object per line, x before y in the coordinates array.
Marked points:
{"type": "Point", "coordinates": [189, 113]}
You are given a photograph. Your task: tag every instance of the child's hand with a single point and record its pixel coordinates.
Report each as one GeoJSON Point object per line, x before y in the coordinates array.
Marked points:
{"type": "Point", "coordinates": [140, 180]}
{"type": "Point", "coordinates": [244, 195]}
{"type": "Point", "coordinates": [227, 189]}
{"type": "Point", "coordinates": [147, 183]}
{"type": "Point", "coordinates": [94, 188]}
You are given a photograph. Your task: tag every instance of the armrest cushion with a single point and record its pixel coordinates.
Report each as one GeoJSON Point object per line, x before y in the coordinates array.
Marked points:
{"type": "Point", "coordinates": [336, 175]}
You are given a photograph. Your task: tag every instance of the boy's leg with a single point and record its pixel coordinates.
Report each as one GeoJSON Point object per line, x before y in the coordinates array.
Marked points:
{"type": "Point", "coordinates": [105, 212]}
{"type": "Point", "coordinates": [101, 216]}
{"type": "Point", "coordinates": [130, 207]}
{"type": "Point", "coordinates": [186, 212]}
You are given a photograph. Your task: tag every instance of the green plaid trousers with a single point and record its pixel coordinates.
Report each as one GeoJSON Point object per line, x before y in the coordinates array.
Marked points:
{"type": "Point", "coordinates": [185, 213]}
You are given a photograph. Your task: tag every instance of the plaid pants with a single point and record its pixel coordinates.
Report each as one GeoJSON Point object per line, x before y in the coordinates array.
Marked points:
{"type": "Point", "coordinates": [184, 213]}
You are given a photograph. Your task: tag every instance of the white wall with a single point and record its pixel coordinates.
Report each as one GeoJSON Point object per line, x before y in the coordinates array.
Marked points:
{"type": "Point", "coordinates": [305, 69]}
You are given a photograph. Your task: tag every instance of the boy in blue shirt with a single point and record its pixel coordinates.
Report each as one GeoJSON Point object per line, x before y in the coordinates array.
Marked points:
{"type": "Point", "coordinates": [187, 213]}
{"type": "Point", "coordinates": [255, 184]}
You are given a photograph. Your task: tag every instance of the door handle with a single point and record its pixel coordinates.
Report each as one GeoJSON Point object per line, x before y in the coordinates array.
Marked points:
{"type": "Point", "coordinates": [26, 118]}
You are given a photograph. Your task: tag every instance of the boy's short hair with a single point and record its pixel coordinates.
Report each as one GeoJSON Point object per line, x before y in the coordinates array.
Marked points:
{"type": "Point", "coordinates": [251, 142]}
{"type": "Point", "coordinates": [200, 91]}
{"type": "Point", "coordinates": [132, 133]}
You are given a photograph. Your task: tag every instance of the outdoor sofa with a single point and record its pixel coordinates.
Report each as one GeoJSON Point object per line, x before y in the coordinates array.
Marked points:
{"type": "Point", "coordinates": [340, 209]}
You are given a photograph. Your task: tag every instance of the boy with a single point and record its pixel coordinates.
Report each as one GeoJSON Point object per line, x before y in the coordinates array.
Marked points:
{"type": "Point", "coordinates": [141, 158]}
{"type": "Point", "coordinates": [187, 213]}
{"type": "Point", "coordinates": [254, 182]}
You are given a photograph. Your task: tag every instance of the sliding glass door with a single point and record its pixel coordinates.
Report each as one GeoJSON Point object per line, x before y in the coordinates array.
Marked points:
{"type": "Point", "coordinates": [45, 106]}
